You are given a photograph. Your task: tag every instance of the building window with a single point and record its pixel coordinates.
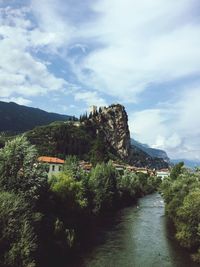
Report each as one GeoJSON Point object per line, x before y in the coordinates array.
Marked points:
{"type": "Point", "coordinates": [60, 168]}
{"type": "Point", "coordinates": [53, 168]}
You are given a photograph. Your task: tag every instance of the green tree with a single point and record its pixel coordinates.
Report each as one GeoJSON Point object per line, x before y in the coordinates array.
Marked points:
{"type": "Point", "coordinates": [71, 165]}
{"type": "Point", "coordinates": [70, 205]}
{"type": "Point", "coordinates": [18, 242]}
{"type": "Point", "coordinates": [174, 191]}
{"type": "Point", "coordinates": [103, 184]}
{"type": "Point", "coordinates": [176, 170]}
{"type": "Point", "coordinates": [98, 152]}
{"type": "Point", "coordinates": [68, 190]}
{"type": "Point", "coordinates": [182, 198]}
{"type": "Point", "coordinates": [188, 220]}
{"type": "Point", "coordinates": [19, 170]}
{"type": "Point", "coordinates": [128, 186]}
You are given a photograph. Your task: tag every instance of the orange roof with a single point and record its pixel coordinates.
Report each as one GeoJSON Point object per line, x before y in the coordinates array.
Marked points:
{"type": "Point", "coordinates": [51, 160]}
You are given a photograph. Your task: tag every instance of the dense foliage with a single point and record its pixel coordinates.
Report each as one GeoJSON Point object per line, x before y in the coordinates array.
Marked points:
{"type": "Point", "coordinates": [103, 186]}
{"type": "Point", "coordinates": [19, 172]}
{"type": "Point", "coordinates": [181, 193]}
{"type": "Point", "coordinates": [62, 139]}
{"type": "Point", "coordinates": [18, 241]}
{"type": "Point", "coordinates": [43, 221]}
{"type": "Point", "coordinates": [23, 186]}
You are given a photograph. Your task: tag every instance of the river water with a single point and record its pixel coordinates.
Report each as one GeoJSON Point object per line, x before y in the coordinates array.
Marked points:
{"type": "Point", "coordinates": [139, 236]}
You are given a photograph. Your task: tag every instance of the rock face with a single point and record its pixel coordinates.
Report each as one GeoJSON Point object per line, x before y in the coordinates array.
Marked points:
{"type": "Point", "coordinates": [112, 123]}
{"type": "Point", "coordinates": [104, 133]}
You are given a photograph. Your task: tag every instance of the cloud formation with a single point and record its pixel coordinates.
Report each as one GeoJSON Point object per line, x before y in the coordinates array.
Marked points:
{"type": "Point", "coordinates": [141, 43]}
{"type": "Point", "coordinates": [91, 98]}
{"type": "Point", "coordinates": [100, 51]}
{"type": "Point", "coordinates": [175, 126]}
{"type": "Point", "coordinates": [22, 73]}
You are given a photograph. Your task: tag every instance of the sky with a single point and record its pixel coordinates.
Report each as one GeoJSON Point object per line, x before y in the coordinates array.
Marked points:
{"type": "Point", "coordinates": [66, 55]}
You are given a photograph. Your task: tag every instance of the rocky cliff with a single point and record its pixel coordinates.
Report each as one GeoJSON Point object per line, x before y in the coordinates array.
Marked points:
{"type": "Point", "coordinates": [101, 136]}
{"type": "Point", "coordinates": [112, 123]}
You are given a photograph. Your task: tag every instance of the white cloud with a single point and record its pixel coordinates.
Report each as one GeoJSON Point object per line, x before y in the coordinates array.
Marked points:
{"type": "Point", "coordinates": [174, 127]}
{"type": "Point", "coordinates": [130, 44]}
{"type": "Point", "coordinates": [21, 71]}
{"type": "Point", "coordinates": [19, 100]}
{"type": "Point", "coordinates": [90, 98]}
{"type": "Point", "coordinates": [53, 29]}
{"type": "Point", "coordinates": [127, 47]}
{"type": "Point", "coordinates": [141, 42]}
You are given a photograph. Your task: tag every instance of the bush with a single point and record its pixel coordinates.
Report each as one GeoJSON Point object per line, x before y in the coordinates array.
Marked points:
{"type": "Point", "coordinates": [68, 190]}
{"type": "Point", "coordinates": [188, 220]}
{"type": "Point", "coordinates": [18, 242]}
{"type": "Point", "coordinates": [103, 184]}
{"type": "Point", "coordinates": [19, 172]}
{"type": "Point", "coordinates": [24, 193]}
{"type": "Point", "coordinates": [182, 197]}
{"type": "Point", "coordinates": [129, 186]}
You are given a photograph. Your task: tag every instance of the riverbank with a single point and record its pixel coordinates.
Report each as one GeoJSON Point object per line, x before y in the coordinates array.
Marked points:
{"type": "Point", "coordinates": [181, 192]}
{"type": "Point", "coordinates": [139, 236]}
{"type": "Point", "coordinates": [53, 216]}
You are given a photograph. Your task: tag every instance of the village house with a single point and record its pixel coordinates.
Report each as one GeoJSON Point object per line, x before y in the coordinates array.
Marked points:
{"type": "Point", "coordinates": [131, 168]}
{"type": "Point", "coordinates": [119, 167]}
{"type": "Point", "coordinates": [122, 167]}
{"type": "Point", "coordinates": [142, 170]}
{"type": "Point", "coordinates": [55, 164]}
{"type": "Point", "coordinates": [86, 166]}
{"type": "Point", "coordinates": [163, 173]}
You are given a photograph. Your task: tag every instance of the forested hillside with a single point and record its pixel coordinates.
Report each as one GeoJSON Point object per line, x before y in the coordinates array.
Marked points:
{"type": "Point", "coordinates": [62, 139]}
{"type": "Point", "coordinates": [101, 136]}
{"type": "Point", "coordinates": [18, 118]}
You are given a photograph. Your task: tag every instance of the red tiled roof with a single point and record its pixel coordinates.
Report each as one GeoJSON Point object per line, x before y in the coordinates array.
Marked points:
{"type": "Point", "coordinates": [51, 160]}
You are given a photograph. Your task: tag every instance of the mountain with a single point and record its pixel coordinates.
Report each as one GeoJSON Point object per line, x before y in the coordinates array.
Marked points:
{"type": "Point", "coordinates": [188, 163]}
{"type": "Point", "coordinates": [153, 152]}
{"type": "Point", "coordinates": [112, 124]}
{"type": "Point", "coordinates": [101, 136]}
{"type": "Point", "coordinates": [18, 118]}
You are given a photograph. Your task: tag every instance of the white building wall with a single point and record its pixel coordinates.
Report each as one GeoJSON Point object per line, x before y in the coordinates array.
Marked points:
{"type": "Point", "coordinates": [54, 168]}
{"type": "Point", "coordinates": [163, 174]}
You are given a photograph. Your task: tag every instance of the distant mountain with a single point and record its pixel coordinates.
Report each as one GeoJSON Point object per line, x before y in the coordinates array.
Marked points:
{"type": "Point", "coordinates": [153, 152]}
{"type": "Point", "coordinates": [18, 118]}
{"type": "Point", "coordinates": [188, 163]}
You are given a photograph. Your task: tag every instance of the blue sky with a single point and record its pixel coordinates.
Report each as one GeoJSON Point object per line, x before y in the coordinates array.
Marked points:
{"type": "Point", "coordinates": [63, 56]}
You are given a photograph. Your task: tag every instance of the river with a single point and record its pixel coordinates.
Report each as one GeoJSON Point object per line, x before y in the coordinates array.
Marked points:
{"type": "Point", "coordinates": [139, 236]}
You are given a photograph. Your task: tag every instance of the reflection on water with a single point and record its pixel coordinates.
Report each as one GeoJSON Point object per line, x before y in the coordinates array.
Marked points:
{"type": "Point", "coordinates": [139, 237]}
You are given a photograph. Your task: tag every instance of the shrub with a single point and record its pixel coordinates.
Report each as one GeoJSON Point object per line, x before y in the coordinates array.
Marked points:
{"type": "Point", "coordinates": [103, 184]}
{"type": "Point", "coordinates": [18, 241]}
